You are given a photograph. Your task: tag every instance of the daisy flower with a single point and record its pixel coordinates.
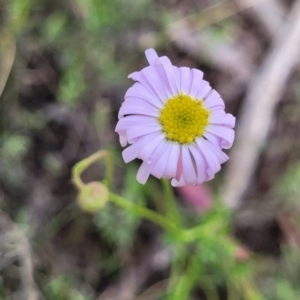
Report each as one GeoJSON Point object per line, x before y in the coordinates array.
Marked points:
{"type": "Point", "coordinates": [175, 122]}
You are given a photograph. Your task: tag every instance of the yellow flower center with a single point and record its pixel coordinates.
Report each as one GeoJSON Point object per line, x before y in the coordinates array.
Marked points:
{"type": "Point", "coordinates": [184, 119]}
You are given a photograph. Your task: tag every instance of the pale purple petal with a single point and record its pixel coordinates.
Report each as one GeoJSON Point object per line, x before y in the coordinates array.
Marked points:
{"type": "Point", "coordinates": [203, 90]}
{"type": "Point", "coordinates": [160, 158]}
{"type": "Point", "coordinates": [199, 163]}
{"type": "Point", "coordinates": [139, 107]}
{"type": "Point", "coordinates": [140, 91]}
{"type": "Point", "coordinates": [135, 132]}
{"type": "Point", "coordinates": [197, 77]}
{"type": "Point", "coordinates": [134, 121]}
{"type": "Point", "coordinates": [168, 74]}
{"type": "Point", "coordinates": [178, 183]}
{"type": "Point", "coordinates": [143, 173]}
{"type": "Point", "coordinates": [185, 79]}
{"type": "Point", "coordinates": [148, 149]}
{"type": "Point", "coordinates": [188, 171]}
{"type": "Point", "coordinates": [226, 134]}
{"type": "Point", "coordinates": [172, 161]}
{"type": "Point", "coordinates": [210, 177]}
{"type": "Point", "coordinates": [177, 79]}
{"type": "Point", "coordinates": [221, 118]}
{"type": "Point", "coordinates": [217, 113]}
{"type": "Point", "coordinates": [151, 55]}
{"type": "Point", "coordinates": [155, 82]}
{"type": "Point", "coordinates": [148, 77]}
{"type": "Point", "coordinates": [123, 139]}
{"type": "Point", "coordinates": [220, 155]}
{"type": "Point", "coordinates": [212, 138]}
{"type": "Point", "coordinates": [133, 151]}
{"type": "Point", "coordinates": [213, 100]}
{"type": "Point", "coordinates": [161, 75]}
{"type": "Point", "coordinates": [213, 165]}
{"type": "Point", "coordinates": [198, 89]}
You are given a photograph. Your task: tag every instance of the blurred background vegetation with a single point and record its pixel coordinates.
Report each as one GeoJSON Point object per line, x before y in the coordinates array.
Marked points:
{"type": "Point", "coordinates": [63, 76]}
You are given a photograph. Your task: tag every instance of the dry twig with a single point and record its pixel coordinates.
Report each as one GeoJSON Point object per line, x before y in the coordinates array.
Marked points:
{"type": "Point", "coordinates": [16, 247]}
{"type": "Point", "coordinates": [268, 13]}
{"type": "Point", "coordinates": [134, 277]}
{"type": "Point", "coordinates": [258, 109]}
{"type": "Point", "coordinates": [7, 56]}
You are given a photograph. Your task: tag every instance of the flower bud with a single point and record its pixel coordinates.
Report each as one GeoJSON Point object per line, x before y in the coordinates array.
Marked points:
{"type": "Point", "coordinates": [93, 196]}
{"type": "Point", "coordinates": [242, 254]}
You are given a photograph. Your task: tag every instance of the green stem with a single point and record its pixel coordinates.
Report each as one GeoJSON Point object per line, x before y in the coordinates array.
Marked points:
{"type": "Point", "coordinates": [80, 167]}
{"type": "Point", "coordinates": [144, 212]}
{"type": "Point", "coordinates": [109, 170]}
{"type": "Point", "coordinates": [202, 230]}
{"type": "Point", "coordinates": [172, 209]}
{"type": "Point", "coordinates": [187, 280]}
{"type": "Point", "coordinates": [177, 267]}
{"type": "Point", "coordinates": [250, 290]}
{"type": "Point", "coordinates": [209, 289]}
{"type": "Point", "coordinates": [231, 295]}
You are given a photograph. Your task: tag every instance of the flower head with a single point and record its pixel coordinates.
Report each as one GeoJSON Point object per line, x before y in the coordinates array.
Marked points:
{"type": "Point", "coordinates": [175, 122]}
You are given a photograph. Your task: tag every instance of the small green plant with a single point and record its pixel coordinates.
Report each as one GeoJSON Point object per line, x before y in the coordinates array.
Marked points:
{"type": "Point", "coordinates": [62, 288]}
{"type": "Point", "coordinates": [204, 256]}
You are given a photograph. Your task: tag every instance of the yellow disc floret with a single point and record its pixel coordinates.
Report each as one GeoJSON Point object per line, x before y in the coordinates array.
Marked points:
{"type": "Point", "coordinates": [184, 119]}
